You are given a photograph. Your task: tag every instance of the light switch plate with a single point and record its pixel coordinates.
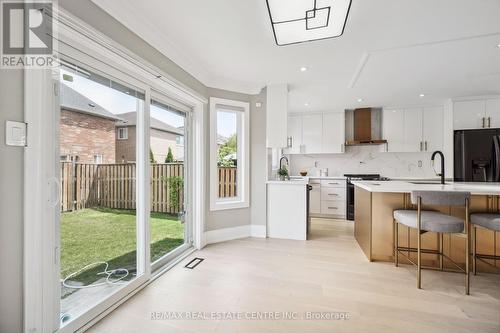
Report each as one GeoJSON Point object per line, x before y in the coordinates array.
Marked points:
{"type": "Point", "coordinates": [15, 133]}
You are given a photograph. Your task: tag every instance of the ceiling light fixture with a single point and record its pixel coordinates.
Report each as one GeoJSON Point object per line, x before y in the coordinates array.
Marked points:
{"type": "Point", "coordinates": [303, 69]}
{"type": "Point", "coordinates": [498, 46]}
{"type": "Point", "coordinates": [304, 20]}
{"type": "Point", "coordinates": [421, 95]}
{"type": "Point", "coordinates": [360, 100]}
{"type": "Point", "coordinates": [306, 104]}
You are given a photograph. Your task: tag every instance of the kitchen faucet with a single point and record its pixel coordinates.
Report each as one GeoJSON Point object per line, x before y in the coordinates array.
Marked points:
{"type": "Point", "coordinates": [281, 160]}
{"type": "Point", "coordinates": [437, 152]}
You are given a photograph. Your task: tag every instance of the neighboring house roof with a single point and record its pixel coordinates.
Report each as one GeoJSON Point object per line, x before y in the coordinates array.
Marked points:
{"type": "Point", "coordinates": [130, 119]}
{"type": "Point", "coordinates": [72, 100]}
{"type": "Point", "coordinates": [221, 139]}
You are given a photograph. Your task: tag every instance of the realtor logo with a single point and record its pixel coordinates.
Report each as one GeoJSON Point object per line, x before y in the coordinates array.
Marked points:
{"type": "Point", "coordinates": [27, 34]}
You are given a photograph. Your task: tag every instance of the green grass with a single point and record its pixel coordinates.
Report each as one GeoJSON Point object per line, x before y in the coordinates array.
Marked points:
{"type": "Point", "coordinates": [92, 235]}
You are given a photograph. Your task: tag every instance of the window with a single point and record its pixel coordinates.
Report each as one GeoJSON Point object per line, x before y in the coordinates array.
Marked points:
{"type": "Point", "coordinates": [179, 140]}
{"type": "Point", "coordinates": [98, 159]}
{"type": "Point", "coordinates": [122, 133]}
{"type": "Point", "coordinates": [229, 154]}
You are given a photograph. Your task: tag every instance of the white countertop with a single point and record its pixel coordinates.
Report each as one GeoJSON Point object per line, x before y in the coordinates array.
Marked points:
{"type": "Point", "coordinates": [301, 182]}
{"type": "Point", "coordinates": [396, 186]}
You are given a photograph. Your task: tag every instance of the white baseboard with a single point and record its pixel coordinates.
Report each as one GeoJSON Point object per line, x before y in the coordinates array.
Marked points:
{"type": "Point", "coordinates": [226, 234]}
{"type": "Point", "coordinates": [258, 231]}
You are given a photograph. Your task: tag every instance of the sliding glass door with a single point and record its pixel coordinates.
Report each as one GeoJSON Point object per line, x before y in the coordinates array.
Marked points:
{"type": "Point", "coordinates": [98, 154]}
{"type": "Point", "coordinates": [169, 159]}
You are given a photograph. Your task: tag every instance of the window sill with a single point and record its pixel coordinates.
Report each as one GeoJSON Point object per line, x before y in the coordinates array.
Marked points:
{"type": "Point", "coordinates": [229, 204]}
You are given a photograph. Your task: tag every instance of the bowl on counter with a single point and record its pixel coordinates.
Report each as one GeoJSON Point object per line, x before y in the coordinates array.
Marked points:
{"type": "Point", "coordinates": [303, 173]}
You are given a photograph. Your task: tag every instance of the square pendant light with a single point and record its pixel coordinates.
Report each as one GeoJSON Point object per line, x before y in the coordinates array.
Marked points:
{"type": "Point", "coordinates": [298, 21]}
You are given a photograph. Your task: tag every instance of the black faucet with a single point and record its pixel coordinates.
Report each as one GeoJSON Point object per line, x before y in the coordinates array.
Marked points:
{"type": "Point", "coordinates": [283, 158]}
{"type": "Point", "coordinates": [437, 152]}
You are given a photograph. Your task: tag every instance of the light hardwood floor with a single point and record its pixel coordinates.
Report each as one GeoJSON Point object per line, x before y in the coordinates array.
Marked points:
{"type": "Point", "coordinates": [328, 273]}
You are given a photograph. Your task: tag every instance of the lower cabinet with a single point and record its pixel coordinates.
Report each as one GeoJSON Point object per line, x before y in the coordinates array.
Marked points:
{"type": "Point", "coordinates": [328, 198]}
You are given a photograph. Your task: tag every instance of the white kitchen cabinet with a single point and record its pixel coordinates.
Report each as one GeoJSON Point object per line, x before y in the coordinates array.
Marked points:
{"type": "Point", "coordinates": [433, 121]}
{"type": "Point", "coordinates": [294, 134]}
{"type": "Point", "coordinates": [469, 114]}
{"type": "Point", "coordinates": [333, 132]}
{"type": "Point", "coordinates": [276, 115]}
{"type": "Point", "coordinates": [413, 130]}
{"type": "Point", "coordinates": [493, 113]}
{"type": "Point", "coordinates": [393, 129]}
{"type": "Point", "coordinates": [315, 199]}
{"type": "Point", "coordinates": [312, 133]}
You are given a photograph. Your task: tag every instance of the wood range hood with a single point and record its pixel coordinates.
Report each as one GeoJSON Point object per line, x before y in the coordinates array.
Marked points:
{"type": "Point", "coordinates": [364, 127]}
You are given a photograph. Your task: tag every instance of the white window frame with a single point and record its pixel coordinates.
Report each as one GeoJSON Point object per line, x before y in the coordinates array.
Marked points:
{"type": "Point", "coordinates": [98, 158]}
{"type": "Point", "coordinates": [124, 131]}
{"type": "Point", "coordinates": [242, 200]}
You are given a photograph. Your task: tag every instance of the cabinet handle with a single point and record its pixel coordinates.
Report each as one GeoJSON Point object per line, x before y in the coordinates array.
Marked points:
{"type": "Point", "coordinates": [334, 194]}
{"type": "Point", "coordinates": [332, 208]}
{"type": "Point", "coordinates": [425, 145]}
{"type": "Point", "coordinates": [333, 183]}
{"type": "Point", "coordinates": [483, 122]}
{"type": "Point", "coordinates": [489, 122]}
{"type": "Point", "coordinates": [421, 144]}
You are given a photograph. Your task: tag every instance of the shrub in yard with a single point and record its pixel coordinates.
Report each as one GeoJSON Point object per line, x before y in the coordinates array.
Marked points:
{"type": "Point", "coordinates": [151, 157]}
{"type": "Point", "coordinates": [175, 185]}
{"type": "Point", "coordinates": [170, 156]}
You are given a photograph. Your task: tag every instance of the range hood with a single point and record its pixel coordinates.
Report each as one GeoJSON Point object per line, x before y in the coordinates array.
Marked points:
{"type": "Point", "coordinates": [364, 127]}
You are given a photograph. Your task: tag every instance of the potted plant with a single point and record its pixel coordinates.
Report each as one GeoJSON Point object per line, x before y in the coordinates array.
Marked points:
{"type": "Point", "coordinates": [283, 173]}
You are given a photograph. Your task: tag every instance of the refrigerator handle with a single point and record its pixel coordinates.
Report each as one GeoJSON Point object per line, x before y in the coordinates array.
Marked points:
{"type": "Point", "coordinates": [483, 122]}
{"type": "Point", "coordinates": [489, 122]}
{"type": "Point", "coordinates": [496, 142]}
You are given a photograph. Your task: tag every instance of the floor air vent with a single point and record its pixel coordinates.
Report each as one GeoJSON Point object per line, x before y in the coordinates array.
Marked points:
{"type": "Point", "coordinates": [193, 263]}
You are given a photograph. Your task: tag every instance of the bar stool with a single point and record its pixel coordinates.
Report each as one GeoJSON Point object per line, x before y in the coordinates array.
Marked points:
{"type": "Point", "coordinates": [431, 221]}
{"type": "Point", "coordinates": [484, 221]}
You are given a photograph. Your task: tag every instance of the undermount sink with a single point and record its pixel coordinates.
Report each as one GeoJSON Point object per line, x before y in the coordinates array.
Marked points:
{"type": "Point", "coordinates": [428, 183]}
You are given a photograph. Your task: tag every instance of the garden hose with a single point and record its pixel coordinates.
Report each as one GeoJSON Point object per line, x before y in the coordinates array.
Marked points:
{"type": "Point", "coordinates": [108, 274]}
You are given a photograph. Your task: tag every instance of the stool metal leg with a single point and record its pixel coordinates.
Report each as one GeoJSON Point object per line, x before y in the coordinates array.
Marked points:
{"type": "Point", "coordinates": [474, 269]}
{"type": "Point", "coordinates": [419, 236]}
{"type": "Point", "coordinates": [396, 243]}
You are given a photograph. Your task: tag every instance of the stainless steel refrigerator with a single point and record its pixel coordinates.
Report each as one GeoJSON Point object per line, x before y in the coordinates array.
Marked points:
{"type": "Point", "coordinates": [477, 155]}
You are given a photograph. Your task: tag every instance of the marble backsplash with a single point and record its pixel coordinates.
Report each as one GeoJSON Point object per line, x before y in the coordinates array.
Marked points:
{"type": "Point", "coordinates": [366, 159]}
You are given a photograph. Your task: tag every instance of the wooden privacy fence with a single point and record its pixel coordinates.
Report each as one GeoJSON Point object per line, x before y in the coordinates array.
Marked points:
{"type": "Point", "coordinates": [227, 182]}
{"type": "Point", "coordinates": [114, 186]}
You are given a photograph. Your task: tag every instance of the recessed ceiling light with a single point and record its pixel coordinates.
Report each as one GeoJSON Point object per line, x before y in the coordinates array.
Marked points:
{"type": "Point", "coordinates": [421, 95]}
{"type": "Point", "coordinates": [498, 45]}
{"type": "Point", "coordinates": [303, 21]}
{"type": "Point", "coordinates": [306, 104]}
{"type": "Point", "coordinates": [360, 100]}
{"type": "Point", "coordinates": [303, 69]}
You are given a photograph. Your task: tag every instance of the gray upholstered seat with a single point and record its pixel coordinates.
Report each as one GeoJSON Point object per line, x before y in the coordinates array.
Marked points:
{"type": "Point", "coordinates": [431, 221]}
{"type": "Point", "coordinates": [485, 220]}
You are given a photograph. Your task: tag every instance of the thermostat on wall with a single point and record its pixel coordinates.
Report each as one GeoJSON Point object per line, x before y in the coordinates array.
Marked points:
{"type": "Point", "coordinates": [15, 133]}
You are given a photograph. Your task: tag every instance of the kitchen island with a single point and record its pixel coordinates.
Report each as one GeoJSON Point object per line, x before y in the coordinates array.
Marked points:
{"type": "Point", "coordinates": [374, 228]}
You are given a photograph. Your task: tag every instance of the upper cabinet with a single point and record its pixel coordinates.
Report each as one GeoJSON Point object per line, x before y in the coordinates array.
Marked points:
{"type": "Point", "coordinates": [333, 132]}
{"type": "Point", "coordinates": [294, 135]}
{"type": "Point", "coordinates": [478, 113]}
{"type": "Point", "coordinates": [316, 133]}
{"type": "Point", "coordinates": [276, 115]}
{"type": "Point", "coordinates": [413, 129]}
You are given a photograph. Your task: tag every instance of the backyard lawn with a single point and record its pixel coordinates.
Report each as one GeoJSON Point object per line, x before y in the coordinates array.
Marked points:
{"type": "Point", "coordinates": [109, 235]}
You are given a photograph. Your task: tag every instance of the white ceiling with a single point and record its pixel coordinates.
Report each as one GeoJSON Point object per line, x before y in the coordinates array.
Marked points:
{"type": "Point", "coordinates": [391, 50]}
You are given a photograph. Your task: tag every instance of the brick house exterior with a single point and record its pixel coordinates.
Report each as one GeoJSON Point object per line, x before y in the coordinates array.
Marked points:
{"type": "Point", "coordinates": [162, 136]}
{"type": "Point", "coordinates": [87, 130]}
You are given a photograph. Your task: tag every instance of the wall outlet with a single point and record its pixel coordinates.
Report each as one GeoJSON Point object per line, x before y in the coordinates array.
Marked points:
{"type": "Point", "coordinates": [419, 163]}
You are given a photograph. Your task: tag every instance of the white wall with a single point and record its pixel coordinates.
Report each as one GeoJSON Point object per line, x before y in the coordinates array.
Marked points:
{"type": "Point", "coordinates": [11, 205]}
{"type": "Point", "coordinates": [367, 159]}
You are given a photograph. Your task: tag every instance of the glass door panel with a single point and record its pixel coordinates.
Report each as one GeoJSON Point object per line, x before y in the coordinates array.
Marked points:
{"type": "Point", "coordinates": [168, 158]}
{"type": "Point", "coordinates": [98, 173]}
